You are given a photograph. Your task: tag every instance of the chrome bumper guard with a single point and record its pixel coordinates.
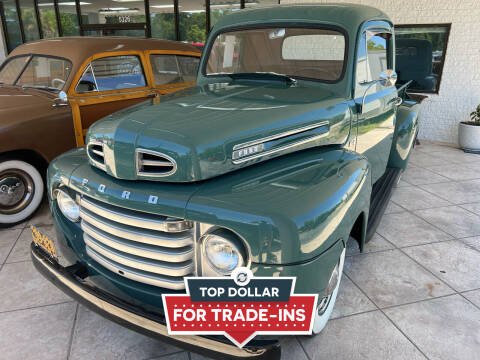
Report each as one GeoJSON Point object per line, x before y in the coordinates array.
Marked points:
{"type": "Point", "coordinates": [134, 319]}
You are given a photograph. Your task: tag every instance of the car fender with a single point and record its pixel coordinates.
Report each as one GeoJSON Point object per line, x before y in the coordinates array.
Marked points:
{"type": "Point", "coordinates": [289, 209]}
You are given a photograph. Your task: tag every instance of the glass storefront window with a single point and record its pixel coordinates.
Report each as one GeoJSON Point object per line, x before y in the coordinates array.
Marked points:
{"type": "Point", "coordinates": [219, 8]}
{"type": "Point", "coordinates": [182, 20]}
{"type": "Point", "coordinates": [68, 18]}
{"type": "Point", "coordinates": [192, 21]}
{"type": "Point", "coordinates": [14, 35]}
{"type": "Point", "coordinates": [420, 54]}
{"type": "Point", "coordinates": [112, 12]}
{"type": "Point", "coordinates": [253, 3]}
{"type": "Point", "coordinates": [29, 20]}
{"type": "Point", "coordinates": [48, 18]}
{"type": "Point", "coordinates": [162, 19]}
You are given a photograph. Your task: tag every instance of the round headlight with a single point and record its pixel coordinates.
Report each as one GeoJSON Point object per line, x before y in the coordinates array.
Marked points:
{"type": "Point", "coordinates": [67, 205]}
{"type": "Point", "coordinates": [223, 254]}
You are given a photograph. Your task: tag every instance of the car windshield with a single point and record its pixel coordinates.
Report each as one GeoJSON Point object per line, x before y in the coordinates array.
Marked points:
{"type": "Point", "coordinates": [47, 73]}
{"type": "Point", "coordinates": [316, 54]}
{"type": "Point", "coordinates": [41, 72]}
{"type": "Point", "coordinates": [12, 69]}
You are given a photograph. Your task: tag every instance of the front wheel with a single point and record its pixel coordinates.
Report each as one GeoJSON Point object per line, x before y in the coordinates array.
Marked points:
{"type": "Point", "coordinates": [21, 191]}
{"type": "Point", "coordinates": [327, 302]}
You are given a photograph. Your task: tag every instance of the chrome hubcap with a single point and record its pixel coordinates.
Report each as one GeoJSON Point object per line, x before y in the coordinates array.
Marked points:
{"type": "Point", "coordinates": [16, 191]}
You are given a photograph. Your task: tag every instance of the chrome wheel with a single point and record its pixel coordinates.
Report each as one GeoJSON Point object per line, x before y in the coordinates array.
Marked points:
{"type": "Point", "coordinates": [17, 190]}
{"type": "Point", "coordinates": [21, 191]}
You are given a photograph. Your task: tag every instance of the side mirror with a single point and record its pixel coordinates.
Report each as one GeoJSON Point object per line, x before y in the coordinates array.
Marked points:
{"type": "Point", "coordinates": [387, 78]}
{"type": "Point", "coordinates": [61, 100]}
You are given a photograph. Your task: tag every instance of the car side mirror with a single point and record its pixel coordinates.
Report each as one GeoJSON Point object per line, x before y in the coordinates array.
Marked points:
{"type": "Point", "coordinates": [387, 78]}
{"type": "Point", "coordinates": [61, 100]}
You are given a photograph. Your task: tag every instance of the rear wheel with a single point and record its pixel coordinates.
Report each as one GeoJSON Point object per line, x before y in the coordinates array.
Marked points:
{"type": "Point", "coordinates": [21, 191]}
{"type": "Point", "coordinates": [327, 302]}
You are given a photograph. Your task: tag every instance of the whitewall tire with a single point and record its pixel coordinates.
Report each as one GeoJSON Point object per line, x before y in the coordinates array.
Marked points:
{"type": "Point", "coordinates": [21, 191]}
{"type": "Point", "coordinates": [321, 318]}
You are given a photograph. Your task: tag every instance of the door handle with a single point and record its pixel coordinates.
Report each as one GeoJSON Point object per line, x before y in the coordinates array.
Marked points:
{"type": "Point", "coordinates": [56, 104]}
{"type": "Point", "coordinates": [396, 101]}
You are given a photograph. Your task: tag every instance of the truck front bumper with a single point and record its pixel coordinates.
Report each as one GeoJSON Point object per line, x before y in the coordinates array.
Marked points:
{"type": "Point", "coordinates": [140, 321]}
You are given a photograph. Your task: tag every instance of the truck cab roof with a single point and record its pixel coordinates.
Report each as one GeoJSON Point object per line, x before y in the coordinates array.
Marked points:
{"type": "Point", "coordinates": [347, 16]}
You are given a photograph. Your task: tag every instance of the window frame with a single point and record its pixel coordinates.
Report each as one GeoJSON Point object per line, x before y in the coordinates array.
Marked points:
{"type": "Point", "coordinates": [341, 30]}
{"type": "Point", "coordinates": [375, 26]}
{"type": "Point", "coordinates": [88, 63]}
{"type": "Point", "coordinates": [448, 27]}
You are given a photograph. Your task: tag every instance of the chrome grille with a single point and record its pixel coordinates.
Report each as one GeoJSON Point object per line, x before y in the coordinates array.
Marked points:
{"type": "Point", "coordinates": [96, 155]}
{"type": "Point", "coordinates": [152, 249]}
{"type": "Point", "coordinates": [151, 163]}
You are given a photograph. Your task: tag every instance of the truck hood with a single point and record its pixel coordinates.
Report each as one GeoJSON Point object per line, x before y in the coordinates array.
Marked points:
{"type": "Point", "coordinates": [206, 131]}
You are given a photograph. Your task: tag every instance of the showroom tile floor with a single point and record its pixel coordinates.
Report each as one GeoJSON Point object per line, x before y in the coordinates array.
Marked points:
{"type": "Point", "coordinates": [413, 294]}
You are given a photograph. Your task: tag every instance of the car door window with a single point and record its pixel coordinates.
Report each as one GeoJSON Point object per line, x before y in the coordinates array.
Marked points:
{"type": "Point", "coordinates": [87, 82]}
{"type": "Point", "coordinates": [171, 69]}
{"type": "Point", "coordinates": [377, 52]}
{"type": "Point", "coordinates": [188, 67]}
{"type": "Point", "coordinates": [112, 73]}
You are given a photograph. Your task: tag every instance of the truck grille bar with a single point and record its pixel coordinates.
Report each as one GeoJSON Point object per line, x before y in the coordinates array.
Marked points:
{"type": "Point", "coordinates": [152, 249]}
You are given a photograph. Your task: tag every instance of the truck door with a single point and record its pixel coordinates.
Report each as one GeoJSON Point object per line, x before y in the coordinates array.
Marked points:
{"type": "Point", "coordinates": [375, 122]}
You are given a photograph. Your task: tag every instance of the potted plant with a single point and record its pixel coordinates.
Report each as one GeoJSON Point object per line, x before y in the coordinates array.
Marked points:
{"type": "Point", "coordinates": [469, 133]}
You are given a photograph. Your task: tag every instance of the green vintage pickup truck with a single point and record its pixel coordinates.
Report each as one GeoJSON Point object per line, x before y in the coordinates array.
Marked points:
{"type": "Point", "coordinates": [288, 146]}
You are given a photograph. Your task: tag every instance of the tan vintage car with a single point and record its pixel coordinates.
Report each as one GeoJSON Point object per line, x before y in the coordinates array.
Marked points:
{"type": "Point", "coordinates": [51, 91]}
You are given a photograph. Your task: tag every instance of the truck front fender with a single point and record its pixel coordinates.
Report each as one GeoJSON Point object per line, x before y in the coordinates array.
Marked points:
{"type": "Point", "coordinates": [289, 209]}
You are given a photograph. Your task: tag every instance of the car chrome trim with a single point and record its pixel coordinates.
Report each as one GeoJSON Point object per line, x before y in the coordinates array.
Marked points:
{"type": "Point", "coordinates": [131, 243]}
{"type": "Point", "coordinates": [137, 274]}
{"type": "Point", "coordinates": [262, 141]}
{"type": "Point", "coordinates": [142, 250]}
{"type": "Point", "coordinates": [140, 163]}
{"type": "Point", "coordinates": [133, 218]}
{"type": "Point", "coordinates": [281, 135]}
{"type": "Point", "coordinates": [279, 149]}
{"type": "Point", "coordinates": [102, 154]}
{"type": "Point", "coordinates": [137, 262]}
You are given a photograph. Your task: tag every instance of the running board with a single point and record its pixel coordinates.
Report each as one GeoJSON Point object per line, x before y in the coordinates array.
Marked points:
{"type": "Point", "coordinates": [381, 193]}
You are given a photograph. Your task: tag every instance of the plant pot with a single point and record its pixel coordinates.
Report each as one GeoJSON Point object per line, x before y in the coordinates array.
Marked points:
{"type": "Point", "coordinates": [469, 137]}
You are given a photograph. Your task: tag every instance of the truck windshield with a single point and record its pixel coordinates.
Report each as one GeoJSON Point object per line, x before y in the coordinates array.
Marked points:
{"type": "Point", "coordinates": [316, 54]}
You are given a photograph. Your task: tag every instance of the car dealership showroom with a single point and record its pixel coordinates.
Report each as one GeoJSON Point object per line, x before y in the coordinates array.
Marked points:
{"type": "Point", "coordinates": [239, 179]}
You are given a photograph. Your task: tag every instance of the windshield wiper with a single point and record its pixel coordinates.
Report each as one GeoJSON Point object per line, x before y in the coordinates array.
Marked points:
{"type": "Point", "coordinates": [263, 76]}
